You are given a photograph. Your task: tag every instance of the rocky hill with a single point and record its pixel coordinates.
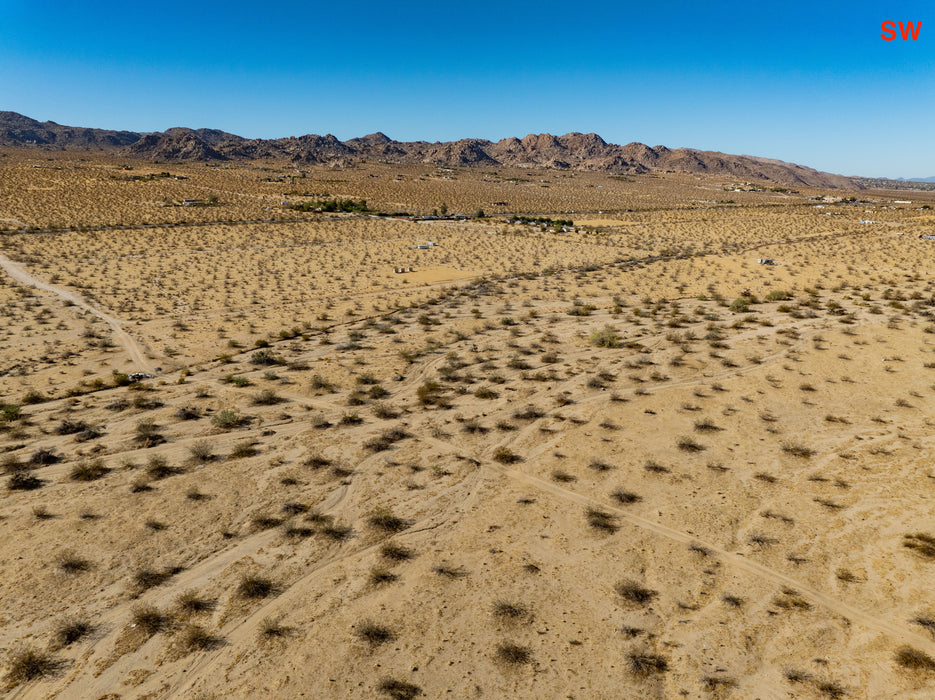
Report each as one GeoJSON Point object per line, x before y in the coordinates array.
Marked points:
{"type": "Point", "coordinates": [17, 130]}
{"type": "Point", "coordinates": [574, 151]}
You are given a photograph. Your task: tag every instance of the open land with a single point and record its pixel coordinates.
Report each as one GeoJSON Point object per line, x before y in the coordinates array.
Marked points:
{"type": "Point", "coordinates": [620, 458]}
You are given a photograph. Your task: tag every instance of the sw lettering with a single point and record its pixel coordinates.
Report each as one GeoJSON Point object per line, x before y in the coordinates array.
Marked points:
{"type": "Point", "coordinates": [907, 29]}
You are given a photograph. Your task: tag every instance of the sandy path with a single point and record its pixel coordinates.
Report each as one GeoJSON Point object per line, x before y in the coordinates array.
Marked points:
{"type": "Point", "coordinates": [19, 273]}
{"type": "Point", "coordinates": [739, 561]}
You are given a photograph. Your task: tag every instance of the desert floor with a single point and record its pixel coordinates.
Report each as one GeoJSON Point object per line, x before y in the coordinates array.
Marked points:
{"type": "Point", "coordinates": [623, 460]}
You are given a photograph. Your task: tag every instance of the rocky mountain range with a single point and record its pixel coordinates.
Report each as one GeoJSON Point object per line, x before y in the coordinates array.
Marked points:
{"type": "Point", "coordinates": [574, 151]}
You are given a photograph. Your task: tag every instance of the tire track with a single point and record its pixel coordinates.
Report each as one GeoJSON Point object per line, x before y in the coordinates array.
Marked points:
{"type": "Point", "coordinates": [134, 350]}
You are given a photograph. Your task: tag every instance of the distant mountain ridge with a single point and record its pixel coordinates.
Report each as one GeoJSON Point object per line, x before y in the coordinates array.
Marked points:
{"type": "Point", "coordinates": [574, 151]}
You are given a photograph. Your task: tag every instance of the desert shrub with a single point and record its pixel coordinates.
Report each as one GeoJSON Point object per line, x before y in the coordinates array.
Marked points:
{"type": "Point", "coordinates": [33, 397]}
{"type": "Point", "coordinates": [385, 411]}
{"type": "Point", "coordinates": [71, 630]}
{"type": "Point", "coordinates": [517, 362]}
{"type": "Point", "coordinates": [227, 419]}
{"type": "Point", "coordinates": [644, 665]}
{"type": "Point", "coordinates": [601, 520]}
{"type": "Point", "coordinates": [907, 657]}
{"type": "Point", "coordinates": [510, 653]}
{"type": "Point", "coordinates": [267, 397]}
{"type": "Point", "coordinates": [633, 592]}
{"type": "Point", "coordinates": [528, 413]}
{"type": "Point", "coordinates": [158, 468]}
{"type": "Point", "coordinates": [486, 393]}
{"type": "Point", "coordinates": [29, 664]}
{"type": "Point", "coordinates": [625, 497]}
{"type": "Point", "coordinates": [197, 638]}
{"type": "Point", "coordinates": [271, 628]}
{"type": "Point", "coordinates": [380, 575]}
{"type": "Point", "coordinates": [505, 455]}
{"type": "Point", "coordinates": [291, 508]}
{"type": "Point", "coordinates": [69, 427]}
{"type": "Point", "coordinates": [44, 457]}
{"type": "Point", "coordinates": [384, 519]}
{"type": "Point", "coordinates": [10, 412]}
{"type": "Point", "coordinates": [605, 338]}
{"type": "Point", "coordinates": [140, 486]}
{"type": "Point", "coordinates": [23, 481]}
{"type": "Point", "coordinates": [831, 689]}
{"type": "Point", "coordinates": [385, 439]}
{"type": "Point", "coordinates": [88, 471]}
{"type": "Point", "coordinates": [395, 552]}
{"type": "Point", "coordinates": [265, 358]}
{"type": "Point", "coordinates": [188, 413]}
{"type": "Point", "coordinates": [330, 529]}
{"type": "Point", "coordinates": [449, 571]}
{"type": "Point", "coordinates": [190, 603]}
{"type": "Point", "coordinates": [706, 425]}
{"type": "Point", "coordinates": [316, 461]}
{"type": "Point", "coordinates": [70, 563]}
{"type": "Point", "coordinates": [374, 633]}
{"type": "Point", "coordinates": [778, 295]}
{"type": "Point", "coordinates": [319, 383]}
{"type": "Point", "coordinates": [920, 543]}
{"type": "Point", "coordinates": [146, 578]}
{"type": "Point", "coordinates": [147, 433]}
{"type": "Point", "coordinates": [797, 449]}
{"type": "Point", "coordinates": [149, 619]}
{"type": "Point", "coordinates": [201, 451]}
{"type": "Point", "coordinates": [563, 476]}
{"type": "Point", "coordinates": [263, 522]}
{"type": "Point", "coordinates": [430, 393]}
{"type": "Point", "coordinates": [687, 444]}
{"type": "Point", "coordinates": [252, 586]}
{"type": "Point", "coordinates": [399, 690]}
{"type": "Point", "coordinates": [740, 305]}
{"type": "Point", "coordinates": [510, 611]}
{"type": "Point", "coordinates": [926, 621]}
{"type": "Point", "coordinates": [352, 418]}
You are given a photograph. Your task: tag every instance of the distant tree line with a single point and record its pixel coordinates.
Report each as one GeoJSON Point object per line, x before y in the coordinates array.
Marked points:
{"type": "Point", "coordinates": [334, 205]}
{"type": "Point", "coordinates": [540, 220]}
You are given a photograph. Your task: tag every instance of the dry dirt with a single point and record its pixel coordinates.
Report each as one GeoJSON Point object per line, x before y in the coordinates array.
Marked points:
{"type": "Point", "coordinates": [624, 460]}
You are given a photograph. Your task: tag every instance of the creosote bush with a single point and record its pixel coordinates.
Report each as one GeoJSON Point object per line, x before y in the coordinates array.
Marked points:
{"type": "Point", "coordinates": [510, 653]}
{"type": "Point", "coordinates": [149, 619]}
{"type": "Point", "coordinates": [911, 658]}
{"type": "Point", "coordinates": [643, 665]}
{"type": "Point", "coordinates": [29, 664]}
{"type": "Point", "coordinates": [252, 586]}
{"type": "Point", "coordinates": [226, 419]}
{"type": "Point", "coordinates": [399, 690]}
{"type": "Point", "coordinates": [605, 338]}
{"type": "Point", "coordinates": [505, 455]}
{"type": "Point", "coordinates": [373, 633]}
{"type": "Point", "coordinates": [635, 593]}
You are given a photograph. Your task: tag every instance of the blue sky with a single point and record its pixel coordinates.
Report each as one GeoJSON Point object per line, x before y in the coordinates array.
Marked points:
{"type": "Point", "coordinates": [811, 83]}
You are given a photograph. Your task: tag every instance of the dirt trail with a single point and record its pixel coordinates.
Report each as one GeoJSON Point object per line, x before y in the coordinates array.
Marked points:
{"type": "Point", "coordinates": [19, 273]}
{"type": "Point", "coordinates": [739, 561]}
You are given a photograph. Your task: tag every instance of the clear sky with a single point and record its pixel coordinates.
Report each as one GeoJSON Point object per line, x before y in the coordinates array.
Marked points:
{"type": "Point", "coordinates": [807, 82]}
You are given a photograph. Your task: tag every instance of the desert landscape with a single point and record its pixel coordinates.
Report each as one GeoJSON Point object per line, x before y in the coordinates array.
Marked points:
{"type": "Point", "coordinates": [274, 428]}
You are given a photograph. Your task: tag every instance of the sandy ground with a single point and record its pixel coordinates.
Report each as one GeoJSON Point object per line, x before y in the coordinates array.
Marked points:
{"type": "Point", "coordinates": [579, 465]}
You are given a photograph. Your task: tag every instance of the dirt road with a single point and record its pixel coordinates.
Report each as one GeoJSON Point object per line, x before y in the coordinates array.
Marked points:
{"type": "Point", "coordinates": [19, 273]}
